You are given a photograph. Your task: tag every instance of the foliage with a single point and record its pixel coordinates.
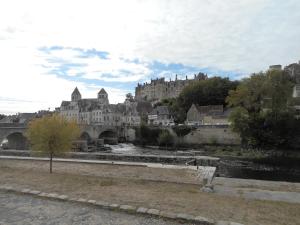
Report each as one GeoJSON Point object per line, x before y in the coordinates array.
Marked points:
{"type": "Point", "coordinates": [147, 135]}
{"type": "Point", "coordinates": [263, 114]}
{"type": "Point", "coordinates": [52, 135]}
{"type": "Point", "coordinates": [129, 97]}
{"type": "Point", "coordinates": [182, 130]}
{"type": "Point", "coordinates": [2, 116]}
{"type": "Point", "coordinates": [175, 109]}
{"type": "Point", "coordinates": [212, 91]}
{"type": "Point", "coordinates": [165, 138]}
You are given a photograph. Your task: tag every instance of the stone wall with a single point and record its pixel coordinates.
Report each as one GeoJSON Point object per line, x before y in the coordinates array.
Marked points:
{"type": "Point", "coordinates": [212, 135]}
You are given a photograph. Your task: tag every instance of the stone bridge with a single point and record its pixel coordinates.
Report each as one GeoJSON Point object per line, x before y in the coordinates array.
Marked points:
{"type": "Point", "coordinates": [14, 134]}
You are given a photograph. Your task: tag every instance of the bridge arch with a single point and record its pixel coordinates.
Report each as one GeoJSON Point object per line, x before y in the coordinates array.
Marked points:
{"type": "Point", "coordinates": [109, 136]}
{"type": "Point", "coordinates": [108, 133]}
{"type": "Point", "coordinates": [16, 140]}
{"type": "Point", "coordinates": [86, 136]}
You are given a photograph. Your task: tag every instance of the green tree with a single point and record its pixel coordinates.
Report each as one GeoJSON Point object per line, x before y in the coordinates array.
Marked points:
{"type": "Point", "coordinates": [165, 138]}
{"type": "Point", "coordinates": [177, 112]}
{"type": "Point", "coordinates": [129, 97]}
{"type": "Point", "coordinates": [148, 135]}
{"type": "Point", "coordinates": [52, 135]}
{"type": "Point", "coordinates": [212, 91]}
{"type": "Point", "coordinates": [263, 114]}
{"type": "Point", "coordinates": [2, 116]}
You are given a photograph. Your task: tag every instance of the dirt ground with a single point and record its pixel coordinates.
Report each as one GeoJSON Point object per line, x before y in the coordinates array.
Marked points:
{"type": "Point", "coordinates": [137, 186]}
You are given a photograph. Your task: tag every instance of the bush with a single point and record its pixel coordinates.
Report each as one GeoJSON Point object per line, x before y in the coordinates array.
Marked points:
{"type": "Point", "coordinates": [165, 139]}
{"type": "Point", "coordinates": [147, 135]}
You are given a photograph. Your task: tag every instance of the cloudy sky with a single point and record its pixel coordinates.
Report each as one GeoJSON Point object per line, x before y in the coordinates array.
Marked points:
{"type": "Point", "coordinates": [48, 47]}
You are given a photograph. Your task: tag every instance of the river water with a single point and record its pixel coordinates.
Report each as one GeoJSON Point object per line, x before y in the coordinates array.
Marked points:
{"type": "Point", "coordinates": [235, 168]}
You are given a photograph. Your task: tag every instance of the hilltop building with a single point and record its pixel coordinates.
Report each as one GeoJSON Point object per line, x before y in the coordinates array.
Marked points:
{"type": "Point", "coordinates": [159, 89]}
{"type": "Point", "coordinates": [99, 111]}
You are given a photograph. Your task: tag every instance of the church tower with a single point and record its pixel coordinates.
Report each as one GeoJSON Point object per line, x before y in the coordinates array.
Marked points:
{"type": "Point", "coordinates": [103, 97]}
{"type": "Point", "coordinates": [76, 96]}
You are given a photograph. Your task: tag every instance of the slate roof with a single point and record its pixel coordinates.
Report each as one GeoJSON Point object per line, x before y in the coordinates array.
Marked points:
{"type": "Point", "coordinates": [76, 91]}
{"type": "Point", "coordinates": [210, 109]}
{"type": "Point", "coordinates": [102, 91]}
{"type": "Point", "coordinates": [160, 110]}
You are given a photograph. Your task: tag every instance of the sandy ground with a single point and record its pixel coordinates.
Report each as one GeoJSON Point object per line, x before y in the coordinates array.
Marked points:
{"type": "Point", "coordinates": [136, 186]}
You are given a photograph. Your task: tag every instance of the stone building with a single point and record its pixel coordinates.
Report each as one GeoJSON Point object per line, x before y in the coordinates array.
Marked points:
{"type": "Point", "coordinates": [160, 89]}
{"type": "Point", "coordinates": [98, 110]}
{"type": "Point", "coordinates": [294, 71]}
{"type": "Point", "coordinates": [160, 116]}
{"type": "Point", "coordinates": [207, 115]}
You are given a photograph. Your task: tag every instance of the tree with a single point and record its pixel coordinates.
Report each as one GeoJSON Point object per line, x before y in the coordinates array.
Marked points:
{"type": "Point", "coordinates": [165, 138]}
{"type": "Point", "coordinates": [263, 114]}
{"type": "Point", "coordinates": [129, 97]}
{"type": "Point", "coordinates": [52, 135]}
{"type": "Point", "coordinates": [2, 116]}
{"type": "Point", "coordinates": [212, 91]}
{"type": "Point", "coordinates": [176, 111]}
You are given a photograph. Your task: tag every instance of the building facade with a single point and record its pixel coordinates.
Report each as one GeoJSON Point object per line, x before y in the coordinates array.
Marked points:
{"type": "Point", "coordinates": [160, 116]}
{"type": "Point", "coordinates": [207, 115]}
{"type": "Point", "coordinates": [160, 89]}
{"type": "Point", "coordinates": [98, 111]}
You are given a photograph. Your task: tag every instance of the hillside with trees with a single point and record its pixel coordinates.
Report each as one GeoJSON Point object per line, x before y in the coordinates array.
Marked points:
{"type": "Point", "coordinates": [264, 114]}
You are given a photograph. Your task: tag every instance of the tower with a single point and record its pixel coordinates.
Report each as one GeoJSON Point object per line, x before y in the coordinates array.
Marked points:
{"type": "Point", "coordinates": [76, 96]}
{"type": "Point", "coordinates": [103, 96]}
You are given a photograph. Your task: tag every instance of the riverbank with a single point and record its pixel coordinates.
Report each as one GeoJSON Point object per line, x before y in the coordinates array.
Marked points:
{"type": "Point", "coordinates": [111, 184]}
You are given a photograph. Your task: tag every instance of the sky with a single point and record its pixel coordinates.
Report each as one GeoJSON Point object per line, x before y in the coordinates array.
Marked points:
{"type": "Point", "coordinates": [48, 47]}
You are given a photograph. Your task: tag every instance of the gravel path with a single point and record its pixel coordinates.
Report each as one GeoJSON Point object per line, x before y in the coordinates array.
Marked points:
{"type": "Point", "coordinates": [22, 210]}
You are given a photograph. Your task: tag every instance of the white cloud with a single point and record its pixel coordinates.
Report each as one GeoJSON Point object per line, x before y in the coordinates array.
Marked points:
{"type": "Point", "coordinates": [232, 35]}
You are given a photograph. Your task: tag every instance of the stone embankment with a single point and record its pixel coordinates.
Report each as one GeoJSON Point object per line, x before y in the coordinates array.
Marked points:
{"type": "Point", "coordinates": [165, 159]}
{"type": "Point", "coordinates": [186, 218]}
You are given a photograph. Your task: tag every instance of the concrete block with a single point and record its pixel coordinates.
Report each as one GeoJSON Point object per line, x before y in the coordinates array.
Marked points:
{"type": "Point", "coordinates": [26, 190]}
{"type": "Point", "coordinates": [42, 194]}
{"type": "Point", "coordinates": [202, 220]}
{"type": "Point", "coordinates": [63, 197]}
{"type": "Point", "coordinates": [114, 206]}
{"type": "Point", "coordinates": [83, 200]}
{"type": "Point", "coordinates": [52, 195]}
{"type": "Point", "coordinates": [167, 214]}
{"type": "Point", "coordinates": [141, 210]}
{"type": "Point", "coordinates": [185, 216]}
{"type": "Point", "coordinates": [128, 208]}
{"type": "Point", "coordinates": [7, 188]}
{"type": "Point", "coordinates": [154, 212]}
{"type": "Point", "coordinates": [102, 204]}
{"type": "Point", "coordinates": [92, 201]}
{"type": "Point", "coordinates": [34, 192]}
{"type": "Point", "coordinates": [222, 222]}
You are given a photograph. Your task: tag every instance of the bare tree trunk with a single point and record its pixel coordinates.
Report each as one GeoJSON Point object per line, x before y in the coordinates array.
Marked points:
{"type": "Point", "coordinates": [51, 156]}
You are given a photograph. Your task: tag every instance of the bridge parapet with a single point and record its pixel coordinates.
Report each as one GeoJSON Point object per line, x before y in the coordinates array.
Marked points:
{"type": "Point", "coordinates": [13, 125]}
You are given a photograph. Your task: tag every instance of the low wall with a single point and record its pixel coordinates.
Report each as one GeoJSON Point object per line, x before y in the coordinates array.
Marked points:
{"type": "Point", "coordinates": [212, 135]}
{"type": "Point", "coordinates": [175, 160]}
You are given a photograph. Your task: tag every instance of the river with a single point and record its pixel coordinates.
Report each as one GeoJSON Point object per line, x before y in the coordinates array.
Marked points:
{"type": "Point", "coordinates": [235, 168]}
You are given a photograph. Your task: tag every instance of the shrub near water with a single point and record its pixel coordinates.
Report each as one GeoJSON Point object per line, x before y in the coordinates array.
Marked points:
{"type": "Point", "coordinates": [165, 139]}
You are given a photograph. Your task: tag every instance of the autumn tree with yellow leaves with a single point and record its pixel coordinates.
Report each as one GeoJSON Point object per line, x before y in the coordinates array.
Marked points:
{"type": "Point", "coordinates": [52, 135]}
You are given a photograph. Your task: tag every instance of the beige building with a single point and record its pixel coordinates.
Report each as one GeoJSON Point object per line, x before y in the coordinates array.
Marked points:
{"type": "Point", "coordinates": [160, 116]}
{"type": "Point", "coordinates": [207, 115]}
{"type": "Point", "coordinates": [160, 89]}
{"type": "Point", "coordinates": [98, 110]}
